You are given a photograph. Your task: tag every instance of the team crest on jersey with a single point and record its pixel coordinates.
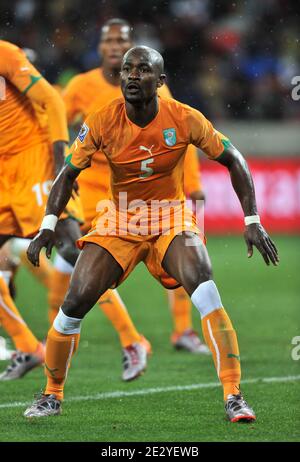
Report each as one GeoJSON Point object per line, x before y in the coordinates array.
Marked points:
{"type": "Point", "coordinates": [170, 136]}
{"type": "Point", "coordinates": [83, 132]}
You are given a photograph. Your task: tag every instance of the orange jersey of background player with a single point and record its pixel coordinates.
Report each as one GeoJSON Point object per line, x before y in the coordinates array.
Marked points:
{"type": "Point", "coordinates": [146, 163]}
{"type": "Point", "coordinates": [19, 125]}
{"type": "Point", "coordinates": [32, 117]}
{"type": "Point", "coordinates": [86, 93]}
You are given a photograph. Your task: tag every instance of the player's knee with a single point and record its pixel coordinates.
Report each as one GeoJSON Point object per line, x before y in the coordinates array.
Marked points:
{"type": "Point", "coordinates": [79, 300]}
{"type": "Point", "coordinates": [206, 298]}
{"type": "Point", "coordinates": [75, 309]}
{"type": "Point", "coordinates": [200, 274]}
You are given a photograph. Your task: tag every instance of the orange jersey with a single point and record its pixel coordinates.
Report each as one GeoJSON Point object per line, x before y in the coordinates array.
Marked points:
{"type": "Point", "coordinates": [83, 95]}
{"type": "Point", "coordinates": [32, 116]}
{"type": "Point", "coordinates": [146, 163]}
{"type": "Point", "coordinates": [31, 112]}
{"type": "Point", "coordinates": [86, 93]}
{"type": "Point", "coordinates": [192, 179]}
{"type": "Point", "coordinates": [19, 126]}
{"type": "Point", "coordinates": [89, 91]}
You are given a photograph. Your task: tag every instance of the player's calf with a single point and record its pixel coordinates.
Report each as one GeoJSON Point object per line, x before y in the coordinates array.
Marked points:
{"type": "Point", "coordinates": [221, 338]}
{"type": "Point", "coordinates": [62, 343]}
{"type": "Point", "coordinates": [190, 265]}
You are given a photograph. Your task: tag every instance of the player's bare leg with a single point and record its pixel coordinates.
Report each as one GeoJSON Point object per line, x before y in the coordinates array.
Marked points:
{"type": "Point", "coordinates": [134, 346]}
{"type": "Point", "coordinates": [188, 262]}
{"type": "Point", "coordinates": [135, 355]}
{"type": "Point", "coordinates": [95, 271]}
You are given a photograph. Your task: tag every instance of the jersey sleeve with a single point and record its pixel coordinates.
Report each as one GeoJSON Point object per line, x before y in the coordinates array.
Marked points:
{"type": "Point", "coordinates": [44, 95]}
{"type": "Point", "coordinates": [70, 97]}
{"type": "Point", "coordinates": [202, 134]}
{"type": "Point", "coordinates": [86, 144]}
{"type": "Point", "coordinates": [17, 69]}
{"type": "Point", "coordinates": [192, 180]}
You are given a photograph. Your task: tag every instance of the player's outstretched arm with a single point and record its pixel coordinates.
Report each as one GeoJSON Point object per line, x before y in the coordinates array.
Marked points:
{"type": "Point", "coordinates": [241, 179]}
{"type": "Point", "coordinates": [60, 194]}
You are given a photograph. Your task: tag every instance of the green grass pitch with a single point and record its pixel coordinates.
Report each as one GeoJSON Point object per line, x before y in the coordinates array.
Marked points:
{"type": "Point", "coordinates": [263, 303]}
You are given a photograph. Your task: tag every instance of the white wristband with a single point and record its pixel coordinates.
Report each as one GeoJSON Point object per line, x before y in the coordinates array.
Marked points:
{"type": "Point", "coordinates": [49, 222]}
{"type": "Point", "coordinates": [252, 219]}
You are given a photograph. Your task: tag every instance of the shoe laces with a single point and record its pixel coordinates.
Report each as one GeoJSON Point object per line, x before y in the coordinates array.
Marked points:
{"type": "Point", "coordinates": [236, 402]}
{"type": "Point", "coordinates": [17, 359]}
{"type": "Point", "coordinates": [130, 356]}
{"type": "Point", "coordinates": [43, 401]}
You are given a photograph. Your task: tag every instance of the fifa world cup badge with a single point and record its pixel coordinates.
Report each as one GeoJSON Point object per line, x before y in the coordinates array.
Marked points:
{"type": "Point", "coordinates": [83, 132]}
{"type": "Point", "coordinates": [170, 136]}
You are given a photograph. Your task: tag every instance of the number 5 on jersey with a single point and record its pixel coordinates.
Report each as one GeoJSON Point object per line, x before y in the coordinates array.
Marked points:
{"type": "Point", "coordinates": [148, 171]}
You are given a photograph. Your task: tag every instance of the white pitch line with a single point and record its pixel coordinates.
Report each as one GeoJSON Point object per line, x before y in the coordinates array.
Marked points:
{"type": "Point", "coordinates": [151, 391]}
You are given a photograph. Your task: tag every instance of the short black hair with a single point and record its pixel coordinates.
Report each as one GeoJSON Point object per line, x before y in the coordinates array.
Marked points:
{"type": "Point", "coordinates": [117, 22]}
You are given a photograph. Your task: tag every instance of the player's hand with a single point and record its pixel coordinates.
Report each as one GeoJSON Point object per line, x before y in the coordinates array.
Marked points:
{"type": "Point", "coordinates": [256, 235]}
{"type": "Point", "coordinates": [45, 238]}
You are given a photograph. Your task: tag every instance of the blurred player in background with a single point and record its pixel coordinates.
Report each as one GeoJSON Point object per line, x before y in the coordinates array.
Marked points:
{"type": "Point", "coordinates": [84, 94]}
{"type": "Point", "coordinates": [31, 154]}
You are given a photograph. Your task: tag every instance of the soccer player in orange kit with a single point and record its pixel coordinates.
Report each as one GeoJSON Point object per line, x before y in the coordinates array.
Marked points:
{"type": "Point", "coordinates": [145, 139]}
{"type": "Point", "coordinates": [31, 153]}
{"type": "Point", "coordinates": [83, 95]}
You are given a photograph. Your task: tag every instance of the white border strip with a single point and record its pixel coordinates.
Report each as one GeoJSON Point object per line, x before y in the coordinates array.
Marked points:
{"type": "Point", "coordinates": [151, 391]}
{"type": "Point", "coordinates": [69, 357]}
{"type": "Point", "coordinates": [10, 312]}
{"type": "Point", "coordinates": [215, 346]}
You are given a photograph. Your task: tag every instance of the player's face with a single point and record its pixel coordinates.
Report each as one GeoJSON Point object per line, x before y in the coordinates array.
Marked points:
{"type": "Point", "coordinates": [139, 78]}
{"type": "Point", "coordinates": [114, 43]}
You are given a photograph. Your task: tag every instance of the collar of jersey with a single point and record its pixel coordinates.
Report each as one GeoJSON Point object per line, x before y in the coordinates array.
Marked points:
{"type": "Point", "coordinates": [150, 123]}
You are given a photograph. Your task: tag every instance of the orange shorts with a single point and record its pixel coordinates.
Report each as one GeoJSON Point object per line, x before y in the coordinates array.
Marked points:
{"type": "Point", "coordinates": [25, 182]}
{"type": "Point", "coordinates": [130, 250]}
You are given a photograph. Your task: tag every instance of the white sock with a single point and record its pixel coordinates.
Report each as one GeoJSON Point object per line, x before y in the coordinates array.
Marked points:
{"type": "Point", "coordinates": [66, 325]}
{"type": "Point", "coordinates": [206, 298]}
{"type": "Point", "coordinates": [6, 275]}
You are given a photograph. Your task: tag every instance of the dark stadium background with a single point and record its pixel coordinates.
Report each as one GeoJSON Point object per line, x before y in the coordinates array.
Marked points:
{"type": "Point", "coordinates": [220, 55]}
{"type": "Point", "coordinates": [236, 61]}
